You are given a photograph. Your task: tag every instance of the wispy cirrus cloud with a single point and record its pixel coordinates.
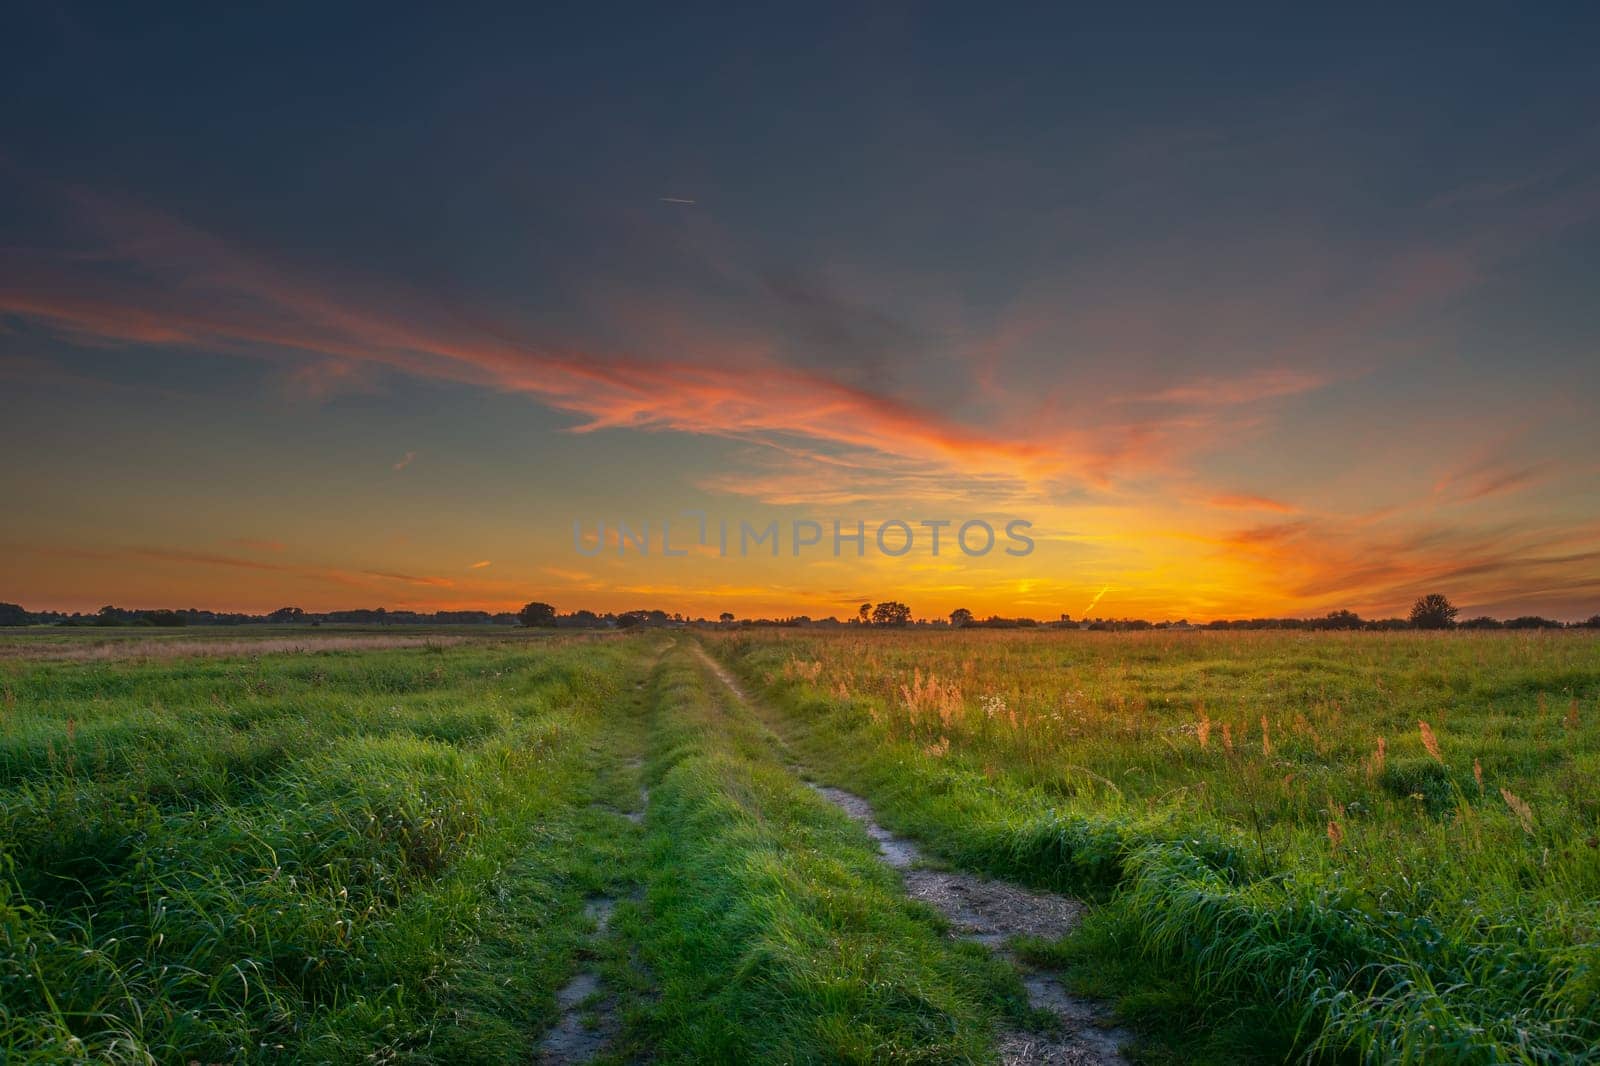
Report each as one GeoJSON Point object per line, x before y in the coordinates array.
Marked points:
{"type": "Point", "coordinates": [1337, 562]}
{"type": "Point", "coordinates": [1493, 477]}
{"type": "Point", "coordinates": [260, 544]}
{"type": "Point", "coordinates": [1239, 501]}
{"type": "Point", "coordinates": [355, 578]}
{"type": "Point", "coordinates": [824, 438]}
{"type": "Point", "coordinates": [164, 282]}
{"type": "Point", "coordinates": [1251, 387]}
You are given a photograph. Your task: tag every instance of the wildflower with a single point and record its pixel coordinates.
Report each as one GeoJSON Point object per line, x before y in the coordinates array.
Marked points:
{"type": "Point", "coordinates": [1335, 835]}
{"type": "Point", "coordinates": [1477, 774]}
{"type": "Point", "coordinates": [1202, 730]}
{"type": "Point", "coordinates": [1227, 738]}
{"type": "Point", "coordinates": [1266, 739]}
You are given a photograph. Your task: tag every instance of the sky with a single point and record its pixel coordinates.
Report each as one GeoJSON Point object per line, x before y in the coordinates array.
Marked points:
{"type": "Point", "coordinates": [1263, 313]}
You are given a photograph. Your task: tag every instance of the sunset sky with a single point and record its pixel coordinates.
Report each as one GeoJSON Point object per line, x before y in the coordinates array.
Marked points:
{"type": "Point", "coordinates": [1256, 315]}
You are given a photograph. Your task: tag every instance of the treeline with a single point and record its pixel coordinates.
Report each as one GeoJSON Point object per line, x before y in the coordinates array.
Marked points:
{"type": "Point", "coordinates": [1326, 623]}
{"type": "Point", "coordinates": [13, 615]}
{"type": "Point", "coordinates": [890, 614]}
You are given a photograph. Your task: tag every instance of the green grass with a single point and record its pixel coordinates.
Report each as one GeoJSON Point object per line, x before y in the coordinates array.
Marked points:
{"type": "Point", "coordinates": [1437, 928]}
{"type": "Point", "coordinates": [235, 850]}
{"type": "Point", "coordinates": [384, 855]}
{"type": "Point", "coordinates": [337, 857]}
{"type": "Point", "coordinates": [777, 935]}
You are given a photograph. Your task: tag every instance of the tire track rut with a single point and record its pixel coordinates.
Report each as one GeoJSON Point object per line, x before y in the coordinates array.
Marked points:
{"type": "Point", "coordinates": [990, 913]}
{"type": "Point", "coordinates": [588, 1022]}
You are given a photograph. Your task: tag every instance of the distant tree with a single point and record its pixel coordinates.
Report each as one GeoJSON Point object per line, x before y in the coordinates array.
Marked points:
{"type": "Point", "coordinates": [864, 611]}
{"type": "Point", "coordinates": [12, 614]}
{"type": "Point", "coordinates": [537, 614]}
{"type": "Point", "coordinates": [1532, 621]}
{"type": "Point", "coordinates": [165, 618]}
{"type": "Point", "coordinates": [1592, 622]}
{"type": "Point", "coordinates": [726, 617]}
{"type": "Point", "coordinates": [891, 613]}
{"type": "Point", "coordinates": [1341, 620]}
{"type": "Point", "coordinates": [960, 617]}
{"type": "Point", "coordinates": [1433, 611]}
{"type": "Point", "coordinates": [287, 614]}
{"type": "Point", "coordinates": [1482, 622]}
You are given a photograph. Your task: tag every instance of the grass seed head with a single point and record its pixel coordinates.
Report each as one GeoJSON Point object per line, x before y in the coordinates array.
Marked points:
{"type": "Point", "coordinates": [1520, 808]}
{"type": "Point", "coordinates": [1430, 743]}
{"type": "Point", "coordinates": [1380, 756]}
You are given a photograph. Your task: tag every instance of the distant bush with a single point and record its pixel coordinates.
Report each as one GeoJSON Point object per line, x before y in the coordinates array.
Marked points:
{"type": "Point", "coordinates": [1433, 611]}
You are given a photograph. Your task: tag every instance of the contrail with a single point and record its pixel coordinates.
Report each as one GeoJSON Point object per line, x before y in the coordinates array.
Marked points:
{"type": "Point", "coordinates": [1096, 600]}
{"type": "Point", "coordinates": [675, 200]}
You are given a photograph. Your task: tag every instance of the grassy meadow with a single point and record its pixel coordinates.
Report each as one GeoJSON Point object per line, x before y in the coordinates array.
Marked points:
{"type": "Point", "coordinates": [374, 855]}
{"type": "Point", "coordinates": [1373, 846]}
{"type": "Point", "coordinates": [393, 848]}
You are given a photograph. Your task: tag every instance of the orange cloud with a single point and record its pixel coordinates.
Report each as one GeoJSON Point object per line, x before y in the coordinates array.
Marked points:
{"type": "Point", "coordinates": [188, 288]}
{"type": "Point", "coordinates": [1246, 502]}
{"type": "Point", "coordinates": [830, 442]}
{"type": "Point", "coordinates": [1226, 392]}
{"type": "Point", "coordinates": [1485, 479]}
{"type": "Point", "coordinates": [368, 579]}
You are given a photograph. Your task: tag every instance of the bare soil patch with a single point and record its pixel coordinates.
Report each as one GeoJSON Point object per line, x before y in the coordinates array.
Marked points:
{"type": "Point", "coordinates": [586, 1024]}
{"type": "Point", "coordinates": [992, 913]}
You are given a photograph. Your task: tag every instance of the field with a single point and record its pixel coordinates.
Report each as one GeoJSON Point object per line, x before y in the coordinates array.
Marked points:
{"type": "Point", "coordinates": [409, 848]}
